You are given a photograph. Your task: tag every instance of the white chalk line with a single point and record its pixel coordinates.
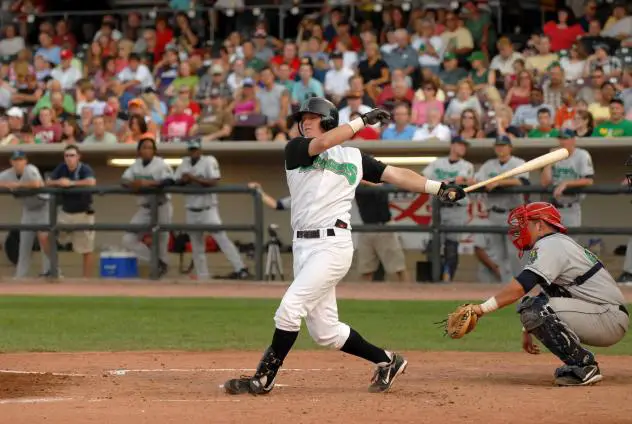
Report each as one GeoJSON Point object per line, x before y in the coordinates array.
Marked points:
{"type": "Point", "coordinates": [62, 399]}
{"type": "Point", "coordinates": [58, 374]}
{"type": "Point", "coordinates": [123, 371]}
{"type": "Point", "coordinates": [34, 400]}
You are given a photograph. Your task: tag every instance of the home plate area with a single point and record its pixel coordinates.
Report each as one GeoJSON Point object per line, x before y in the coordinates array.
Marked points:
{"type": "Point", "coordinates": [315, 386]}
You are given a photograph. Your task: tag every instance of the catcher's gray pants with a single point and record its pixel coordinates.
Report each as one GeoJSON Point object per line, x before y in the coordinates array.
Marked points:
{"type": "Point", "coordinates": [133, 241]}
{"type": "Point", "coordinates": [198, 246]}
{"type": "Point", "coordinates": [595, 325]}
{"type": "Point", "coordinates": [27, 238]}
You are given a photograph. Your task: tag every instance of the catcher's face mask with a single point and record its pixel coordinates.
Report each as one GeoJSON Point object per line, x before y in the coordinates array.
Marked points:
{"type": "Point", "coordinates": [519, 233]}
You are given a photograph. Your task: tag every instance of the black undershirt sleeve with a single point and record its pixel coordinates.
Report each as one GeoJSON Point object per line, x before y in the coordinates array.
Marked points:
{"type": "Point", "coordinates": [297, 153]}
{"type": "Point", "coordinates": [372, 169]}
{"type": "Point", "coordinates": [529, 279]}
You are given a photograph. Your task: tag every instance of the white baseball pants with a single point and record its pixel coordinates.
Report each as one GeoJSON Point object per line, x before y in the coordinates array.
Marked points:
{"type": "Point", "coordinates": [319, 264]}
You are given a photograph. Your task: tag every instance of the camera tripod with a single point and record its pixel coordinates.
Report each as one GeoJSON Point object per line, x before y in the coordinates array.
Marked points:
{"type": "Point", "coordinates": [274, 263]}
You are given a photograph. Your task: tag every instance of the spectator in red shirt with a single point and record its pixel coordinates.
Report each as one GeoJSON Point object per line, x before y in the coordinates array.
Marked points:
{"type": "Point", "coordinates": [388, 93]}
{"type": "Point", "coordinates": [179, 124]}
{"type": "Point", "coordinates": [63, 37]}
{"type": "Point", "coordinates": [344, 34]}
{"type": "Point", "coordinates": [48, 131]}
{"type": "Point", "coordinates": [289, 57]}
{"type": "Point", "coordinates": [563, 33]}
{"type": "Point", "coordinates": [366, 133]}
{"type": "Point", "coordinates": [164, 36]}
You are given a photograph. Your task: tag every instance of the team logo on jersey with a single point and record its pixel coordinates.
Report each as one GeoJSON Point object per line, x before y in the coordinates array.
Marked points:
{"type": "Point", "coordinates": [533, 255]}
{"type": "Point", "coordinates": [346, 169]}
{"type": "Point", "coordinates": [591, 256]}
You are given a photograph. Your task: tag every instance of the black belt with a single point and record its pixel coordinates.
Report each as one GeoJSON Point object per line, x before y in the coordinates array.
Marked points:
{"type": "Point", "coordinates": [198, 209]}
{"type": "Point", "coordinates": [149, 206]}
{"type": "Point", "coordinates": [314, 234]}
{"type": "Point", "coordinates": [499, 210]}
{"type": "Point", "coordinates": [451, 205]}
{"type": "Point", "coordinates": [564, 205]}
{"type": "Point", "coordinates": [624, 310]}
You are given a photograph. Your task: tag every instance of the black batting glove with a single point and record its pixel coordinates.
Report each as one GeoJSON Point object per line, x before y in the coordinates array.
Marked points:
{"type": "Point", "coordinates": [451, 193]}
{"type": "Point", "coordinates": [376, 116]}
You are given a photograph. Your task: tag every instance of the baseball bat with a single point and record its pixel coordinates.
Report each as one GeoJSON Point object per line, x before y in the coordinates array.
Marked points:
{"type": "Point", "coordinates": [532, 165]}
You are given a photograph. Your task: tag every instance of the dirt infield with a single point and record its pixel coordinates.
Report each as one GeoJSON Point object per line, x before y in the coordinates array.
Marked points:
{"type": "Point", "coordinates": [315, 387]}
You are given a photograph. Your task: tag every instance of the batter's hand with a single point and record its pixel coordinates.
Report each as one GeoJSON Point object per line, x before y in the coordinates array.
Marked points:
{"type": "Point", "coordinates": [376, 116]}
{"type": "Point", "coordinates": [528, 345]}
{"type": "Point", "coordinates": [451, 193]}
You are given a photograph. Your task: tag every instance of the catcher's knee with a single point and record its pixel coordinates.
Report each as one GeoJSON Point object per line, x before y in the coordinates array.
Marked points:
{"type": "Point", "coordinates": [332, 336]}
{"type": "Point", "coordinates": [532, 311]}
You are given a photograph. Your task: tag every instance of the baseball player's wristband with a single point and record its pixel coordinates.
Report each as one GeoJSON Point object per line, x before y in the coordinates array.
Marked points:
{"type": "Point", "coordinates": [490, 305]}
{"type": "Point", "coordinates": [356, 125]}
{"type": "Point", "coordinates": [432, 187]}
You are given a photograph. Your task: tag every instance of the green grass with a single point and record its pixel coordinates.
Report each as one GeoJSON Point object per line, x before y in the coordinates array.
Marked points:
{"type": "Point", "coordinates": [114, 324]}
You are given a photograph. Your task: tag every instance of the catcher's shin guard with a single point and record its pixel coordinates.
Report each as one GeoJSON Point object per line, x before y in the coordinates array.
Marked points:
{"type": "Point", "coordinates": [539, 319]}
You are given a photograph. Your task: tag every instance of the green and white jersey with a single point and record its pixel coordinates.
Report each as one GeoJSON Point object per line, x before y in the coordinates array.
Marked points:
{"type": "Point", "coordinates": [156, 170]}
{"type": "Point", "coordinates": [443, 169]}
{"type": "Point", "coordinates": [576, 166]}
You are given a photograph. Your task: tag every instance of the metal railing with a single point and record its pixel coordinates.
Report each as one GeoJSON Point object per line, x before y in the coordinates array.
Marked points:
{"type": "Point", "coordinates": [437, 229]}
{"type": "Point", "coordinates": [153, 227]}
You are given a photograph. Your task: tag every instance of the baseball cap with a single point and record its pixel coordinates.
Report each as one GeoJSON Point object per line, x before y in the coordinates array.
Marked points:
{"type": "Point", "coordinates": [459, 139]}
{"type": "Point", "coordinates": [503, 140]}
{"type": "Point", "coordinates": [567, 133]}
{"type": "Point", "coordinates": [217, 69]}
{"type": "Point", "coordinates": [18, 154]}
{"type": "Point", "coordinates": [478, 55]}
{"type": "Point", "coordinates": [336, 55]}
{"type": "Point", "coordinates": [449, 56]}
{"type": "Point", "coordinates": [66, 54]}
{"type": "Point", "coordinates": [248, 82]}
{"type": "Point", "coordinates": [194, 145]}
{"type": "Point", "coordinates": [15, 112]}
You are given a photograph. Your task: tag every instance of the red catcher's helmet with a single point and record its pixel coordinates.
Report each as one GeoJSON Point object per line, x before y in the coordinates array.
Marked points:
{"type": "Point", "coordinates": [519, 217]}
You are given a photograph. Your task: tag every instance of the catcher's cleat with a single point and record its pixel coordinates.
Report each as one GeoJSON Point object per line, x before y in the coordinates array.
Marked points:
{"type": "Point", "coordinates": [577, 376]}
{"type": "Point", "coordinates": [385, 376]}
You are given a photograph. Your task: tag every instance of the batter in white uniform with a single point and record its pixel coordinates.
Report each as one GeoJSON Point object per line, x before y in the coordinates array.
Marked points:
{"type": "Point", "coordinates": [575, 171]}
{"type": "Point", "coordinates": [499, 205]}
{"type": "Point", "coordinates": [322, 177]}
{"type": "Point", "coordinates": [147, 171]}
{"type": "Point", "coordinates": [456, 170]}
{"type": "Point", "coordinates": [35, 211]}
{"type": "Point", "coordinates": [200, 170]}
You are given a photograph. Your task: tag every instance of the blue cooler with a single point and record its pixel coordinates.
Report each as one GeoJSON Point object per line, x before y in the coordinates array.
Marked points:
{"type": "Point", "coordinates": [118, 265]}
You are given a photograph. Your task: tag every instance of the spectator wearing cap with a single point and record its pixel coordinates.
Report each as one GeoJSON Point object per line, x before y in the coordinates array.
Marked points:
{"type": "Point", "coordinates": [610, 65]}
{"type": "Point", "coordinates": [451, 73]}
{"type": "Point", "coordinates": [185, 78]}
{"type": "Point", "coordinates": [65, 73]}
{"type": "Point", "coordinates": [433, 128]}
{"type": "Point", "coordinates": [99, 134]}
{"type": "Point", "coordinates": [76, 208]}
{"type": "Point", "coordinates": [553, 86]}
{"type": "Point", "coordinates": [178, 123]}
{"type": "Point", "coordinates": [503, 62]}
{"type": "Point", "coordinates": [456, 39]}
{"type": "Point", "coordinates": [403, 57]}
{"type": "Point", "coordinates": [48, 50]}
{"type": "Point", "coordinates": [307, 86]}
{"type": "Point", "coordinates": [401, 129]}
{"type": "Point", "coordinates": [289, 57]}
{"type": "Point", "coordinates": [137, 106]}
{"type": "Point", "coordinates": [166, 71]}
{"type": "Point", "coordinates": [213, 80]}
{"type": "Point", "coordinates": [543, 59]}
{"type": "Point", "coordinates": [354, 104]}
{"type": "Point", "coordinates": [48, 131]}
{"type": "Point", "coordinates": [337, 79]}
{"type": "Point", "coordinates": [216, 121]}
{"type": "Point", "coordinates": [15, 116]}
{"type": "Point", "coordinates": [617, 125]}
{"type": "Point", "coordinates": [545, 128]}
{"type": "Point", "coordinates": [480, 74]}
{"type": "Point", "coordinates": [428, 44]}
{"type": "Point", "coordinates": [274, 100]}
{"type": "Point", "coordinates": [262, 51]}
{"type": "Point", "coordinates": [526, 116]}
{"type": "Point", "coordinates": [564, 32]}
{"type": "Point", "coordinates": [366, 133]}
{"type": "Point", "coordinates": [135, 75]}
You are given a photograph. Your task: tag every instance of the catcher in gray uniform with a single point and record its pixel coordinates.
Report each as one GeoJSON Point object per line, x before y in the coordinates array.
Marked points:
{"type": "Point", "coordinates": [579, 300]}
{"type": "Point", "coordinates": [148, 171]}
{"type": "Point", "coordinates": [23, 175]}
{"type": "Point", "coordinates": [200, 170]}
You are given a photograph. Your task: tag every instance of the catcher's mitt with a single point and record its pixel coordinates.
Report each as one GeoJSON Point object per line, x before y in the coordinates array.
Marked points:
{"type": "Point", "coordinates": [461, 321]}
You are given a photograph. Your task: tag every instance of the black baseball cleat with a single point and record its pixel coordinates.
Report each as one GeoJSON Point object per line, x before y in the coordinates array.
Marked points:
{"type": "Point", "coordinates": [578, 375]}
{"type": "Point", "coordinates": [262, 382]}
{"type": "Point", "coordinates": [385, 376]}
{"type": "Point", "coordinates": [242, 274]}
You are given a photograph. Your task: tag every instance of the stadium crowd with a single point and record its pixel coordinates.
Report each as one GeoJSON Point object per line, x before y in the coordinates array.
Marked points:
{"type": "Point", "coordinates": [442, 72]}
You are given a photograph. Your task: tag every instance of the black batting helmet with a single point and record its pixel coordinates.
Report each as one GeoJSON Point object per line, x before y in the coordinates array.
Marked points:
{"type": "Point", "coordinates": [318, 106]}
